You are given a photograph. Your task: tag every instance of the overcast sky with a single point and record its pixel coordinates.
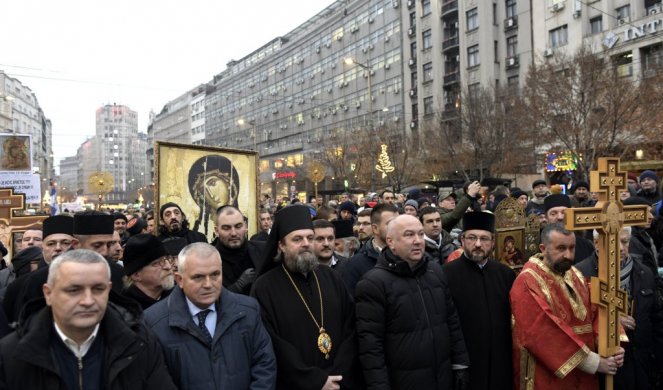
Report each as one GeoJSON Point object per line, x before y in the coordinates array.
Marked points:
{"type": "Point", "coordinates": [77, 55]}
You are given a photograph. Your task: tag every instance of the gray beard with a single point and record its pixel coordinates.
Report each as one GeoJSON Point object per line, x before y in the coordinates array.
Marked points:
{"type": "Point", "coordinates": [302, 263]}
{"type": "Point", "coordinates": [168, 282]}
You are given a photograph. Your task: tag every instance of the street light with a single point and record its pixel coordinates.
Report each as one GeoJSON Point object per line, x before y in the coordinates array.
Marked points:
{"type": "Point", "coordinates": [352, 61]}
{"type": "Point", "coordinates": [242, 122]}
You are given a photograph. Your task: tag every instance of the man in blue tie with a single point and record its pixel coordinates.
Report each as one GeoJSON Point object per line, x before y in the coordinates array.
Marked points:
{"type": "Point", "coordinates": [212, 337]}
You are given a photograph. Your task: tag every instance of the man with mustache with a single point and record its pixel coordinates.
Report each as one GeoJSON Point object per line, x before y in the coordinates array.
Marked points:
{"type": "Point", "coordinates": [554, 324]}
{"type": "Point", "coordinates": [148, 269]}
{"type": "Point", "coordinates": [555, 206]}
{"type": "Point", "coordinates": [176, 225]}
{"type": "Point", "coordinates": [480, 288]}
{"type": "Point", "coordinates": [306, 309]}
{"type": "Point", "coordinates": [324, 244]}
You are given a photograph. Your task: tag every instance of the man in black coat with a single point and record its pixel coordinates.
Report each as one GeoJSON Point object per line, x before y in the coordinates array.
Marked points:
{"type": "Point", "coordinates": [439, 243]}
{"type": "Point", "coordinates": [241, 257]}
{"type": "Point", "coordinates": [643, 359]}
{"type": "Point", "coordinates": [148, 269]}
{"type": "Point", "coordinates": [480, 288]}
{"type": "Point", "coordinates": [409, 332]}
{"type": "Point", "coordinates": [174, 224]}
{"type": "Point", "coordinates": [80, 340]}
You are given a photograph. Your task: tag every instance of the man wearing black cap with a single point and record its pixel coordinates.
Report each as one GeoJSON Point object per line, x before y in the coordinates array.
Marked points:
{"type": "Point", "coordinates": [176, 225]}
{"type": "Point", "coordinates": [520, 196]}
{"type": "Point", "coordinates": [324, 244]}
{"type": "Point", "coordinates": [136, 226]}
{"type": "Point", "coordinates": [347, 211]}
{"type": "Point", "coordinates": [241, 257]}
{"type": "Point", "coordinates": [580, 198]}
{"type": "Point", "coordinates": [58, 238]}
{"type": "Point", "coordinates": [555, 205]}
{"type": "Point", "coordinates": [480, 288]}
{"type": "Point", "coordinates": [306, 309]}
{"type": "Point", "coordinates": [148, 270]}
{"type": "Point", "coordinates": [539, 193]}
{"type": "Point", "coordinates": [649, 190]}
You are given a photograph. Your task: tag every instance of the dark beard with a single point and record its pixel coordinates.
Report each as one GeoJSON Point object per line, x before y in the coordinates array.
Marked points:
{"type": "Point", "coordinates": [563, 266]}
{"type": "Point", "coordinates": [477, 258]}
{"type": "Point", "coordinates": [302, 263]}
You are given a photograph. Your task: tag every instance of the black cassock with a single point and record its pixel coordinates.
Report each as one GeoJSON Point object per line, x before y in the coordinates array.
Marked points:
{"type": "Point", "coordinates": [294, 335]}
{"type": "Point", "coordinates": [481, 297]}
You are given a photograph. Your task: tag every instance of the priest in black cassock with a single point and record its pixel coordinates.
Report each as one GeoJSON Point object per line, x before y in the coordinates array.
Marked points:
{"type": "Point", "coordinates": [306, 309]}
{"type": "Point", "coordinates": [480, 288]}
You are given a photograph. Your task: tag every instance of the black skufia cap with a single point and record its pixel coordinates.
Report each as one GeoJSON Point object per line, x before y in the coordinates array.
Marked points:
{"type": "Point", "coordinates": [88, 224]}
{"type": "Point", "coordinates": [479, 220]}
{"type": "Point", "coordinates": [58, 224]}
{"type": "Point", "coordinates": [342, 229]}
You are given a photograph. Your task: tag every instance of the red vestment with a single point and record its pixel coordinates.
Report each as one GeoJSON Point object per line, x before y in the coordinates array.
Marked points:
{"type": "Point", "coordinates": [554, 328]}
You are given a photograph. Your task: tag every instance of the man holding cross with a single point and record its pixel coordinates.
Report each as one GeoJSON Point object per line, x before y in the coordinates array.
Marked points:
{"type": "Point", "coordinates": [554, 322]}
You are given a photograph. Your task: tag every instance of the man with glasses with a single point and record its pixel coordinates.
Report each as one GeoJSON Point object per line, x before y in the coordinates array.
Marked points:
{"type": "Point", "coordinates": [363, 226]}
{"type": "Point", "coordinates": [480, 289]}
{"type": "Point", "coordinates": [148, 268]}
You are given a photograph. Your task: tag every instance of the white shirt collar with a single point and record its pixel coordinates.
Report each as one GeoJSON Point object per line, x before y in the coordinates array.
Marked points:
{"type": "Point", "coordinates": [78, 350]}
{"type": "Point", "coordinates": [194, 310]}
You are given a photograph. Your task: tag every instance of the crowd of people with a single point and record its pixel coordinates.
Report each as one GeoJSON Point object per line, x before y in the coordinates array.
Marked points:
{"type": "Point", "coordinates": [388, 291]}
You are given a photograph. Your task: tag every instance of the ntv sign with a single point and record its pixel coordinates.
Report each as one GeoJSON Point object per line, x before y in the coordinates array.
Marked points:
{"type": "Point", "coordinates": [633, 33]}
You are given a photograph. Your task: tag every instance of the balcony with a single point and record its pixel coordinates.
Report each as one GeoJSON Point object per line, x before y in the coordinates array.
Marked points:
{"type": "Point", "coordinates": [511, 23]}
{"type": "Point", "coordinates": [450, 43]}
{"type": "Point", "coordinates": [512, 62]}
{"type": "Point", "coordinates": [451, 78]}
{"type": "Point", "coordinates": [449, 7]}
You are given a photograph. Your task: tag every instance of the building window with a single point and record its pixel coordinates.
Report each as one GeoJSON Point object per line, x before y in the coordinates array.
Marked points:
{"type": "Point", "coordinates": [413, 19]}
{"type": "Point", "coordinates": [428, 106]}
{"type": "Point", "coordinates": [510, 8]}
{"type": "Point", "coordinates": [413, 79]}
{"type": "Point", "coordinates": [623, 12]}
{"type": "Point", "coordinates": [473, 89]}
{"type": "Point", "coordinates": [428, 72]}
{"type": "Point", "coordinates": [425, 6]}
{"type": "Point", "coordinates": [559, 36]}
{"type": "Point", "coordinates": [473, 55]}
{"type": "Point", "coordinates": [596, 25]}
{"type": "Point", "coordinates": [511, 46]}
{"type": "Point", "coordinates": [472, 19]}
{"type": "Point", "coordinates": [413, 50]}
{"type": "Point", "coordinates": [415, 112]}
{"type": "Point", "coordinates": [496, 51]}
{"type": "Point", "coordinates": [428, 39]}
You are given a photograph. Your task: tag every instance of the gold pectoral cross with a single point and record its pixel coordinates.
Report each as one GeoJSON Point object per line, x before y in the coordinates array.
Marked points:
{"type": "Point", "coordinates": [608, 218]}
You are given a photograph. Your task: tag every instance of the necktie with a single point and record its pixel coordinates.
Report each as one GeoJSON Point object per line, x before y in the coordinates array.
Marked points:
{"type": "Point", "coordinates": [202, 315]}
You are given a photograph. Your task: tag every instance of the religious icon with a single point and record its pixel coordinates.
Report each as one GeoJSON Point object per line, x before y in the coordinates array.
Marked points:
{"type": "Point", "coordinates": [201, 179]}
{"type": "Point", "coordinates": [15, 153]}
{"type": "Point", "coordinates": [510, 254]}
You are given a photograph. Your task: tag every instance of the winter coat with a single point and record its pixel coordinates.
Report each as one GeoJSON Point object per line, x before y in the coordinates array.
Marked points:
{"type": "Point", "coordinates": [644, 351]}
{"type": "Point", "coordinates": [362, 261]}
{"type": "Point", "coordinates": [440, 253]}
{"type": "Point", "coordinates": [408, 328]}
{"type": "Point", "coordinates": [241, 356]}
{"type": "Point", "coordinates": [132, 356]}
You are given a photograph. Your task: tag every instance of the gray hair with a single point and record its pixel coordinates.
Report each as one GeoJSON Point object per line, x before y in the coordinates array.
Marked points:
{"type": "Point", "coordinates": [550, 228]}
{"type": "Point", "coordinates": [200, 249]}
{"type": "Point", "coordinates": [79, 256]}
{"type": "Point", "coordinates": [595, 233]}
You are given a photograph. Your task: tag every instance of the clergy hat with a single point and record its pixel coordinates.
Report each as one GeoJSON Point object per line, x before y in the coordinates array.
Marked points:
{"type": "Point", "coordinates": [174, 245]}
{"type": "Point", "coordinates": [343, 229]}
{"type": "Point", "coordinates": [167, 205]}
{"type": "Point", "coordinates": [58, 224]}
{"type": "Point", "coordinates": [286, 221]}
{"type": "Point", "coordinates": [140, 251]}
{"type": "Point", "coordinates": [136, 226]}
{"type": "Point", "coordinates": [93, 222]}
{"type": "Point", "coordinates": [556, 200]}
{"type": "Point", "coordinates": [479, 220]}
{"type": "Point", "coordinates": [636, 201]}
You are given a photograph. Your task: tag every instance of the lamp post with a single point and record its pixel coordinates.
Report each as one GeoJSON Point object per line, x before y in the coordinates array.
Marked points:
{"type": "Point", "coordinates": [368, 69]}
{"type": "Point", "coordinates": [242, 122]}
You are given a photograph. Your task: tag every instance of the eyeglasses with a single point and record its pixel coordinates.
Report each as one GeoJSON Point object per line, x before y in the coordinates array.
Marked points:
{"type": "Point", "coordinates": [473, 239]}
{"type": "Point", "coordinates": [162, 261]}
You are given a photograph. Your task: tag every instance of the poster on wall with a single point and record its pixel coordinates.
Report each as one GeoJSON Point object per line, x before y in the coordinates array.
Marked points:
{"type": "Point", "coordinates": [23, 183]}
{"type": "Point", "coordinates": [15, 153]}
{"type": "Point", "coordinates": [200, 179]}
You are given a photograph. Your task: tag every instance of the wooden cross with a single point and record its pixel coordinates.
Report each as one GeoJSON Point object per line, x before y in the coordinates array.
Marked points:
{"type": "Point", "coordinates": [10, 202]}
{"type": "Point", "coordinates": [608, 218]}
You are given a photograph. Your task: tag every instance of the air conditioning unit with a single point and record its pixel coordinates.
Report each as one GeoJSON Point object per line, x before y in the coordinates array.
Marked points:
{"type": "Point", "coordinates": [509, 22]}
{"type": "Point", "coordinates": [654, 10]}
{"type": "Point", "coordinates": [364, 49]}
{"type": "Point", "coordinates": [365, 74]}
{"type": "Point", "coordinates": [511, 61]}
{"type": "Point", "coordinates": [387, 38]}
{"type": "Point", "coordinates": [412, 61]}
{"type": "Point", "coordinates": [576, 14]}
{"type": "Point", "coordinates": [345, 108]}
{"type": "Point", "coordinates": [317, 49]}
{"type": "Point", "coordinates": [354, 28]}
{"type": "Point", "coordinates": [387, 66]}
{"type": "Point", "coordinates": [395, 3]}
{"type": "Point", "coordinates": [624, 20]}
{"type": "Point", "coordinates": [413, 92]}
{"type": "Point", "coordinates": [370, 46]}
{"type": "Point", "coordinates": [548, 52]}
{"type": "Point", "coordinates": [358, 104]}
{"type": "Point", "coordinates": [396, 119]}
{"type": "Point", "coordinates": [410, 3]}
{"type": "Point", "coordinates": [339, 37]}
{"type": "Point", "coordinates": [413, 125]}
{"type": "Point", "coordinates": [557, 7]}
{"type": "Point", "coordinates": [411, 31]}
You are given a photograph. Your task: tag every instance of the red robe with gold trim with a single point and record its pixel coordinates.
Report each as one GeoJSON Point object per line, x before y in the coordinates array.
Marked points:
{"type": "Point", "coordinates": [554, 328]}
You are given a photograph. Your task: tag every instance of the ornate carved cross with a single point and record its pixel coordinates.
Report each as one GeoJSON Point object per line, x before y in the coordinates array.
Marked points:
{"type": "Point", "coordinates": [9, 201]}
{"type": "Point", "coordinates": [608, 218]}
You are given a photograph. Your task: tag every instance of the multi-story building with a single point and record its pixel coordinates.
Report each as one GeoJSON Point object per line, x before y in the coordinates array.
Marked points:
{"type": "Point", "coordinates": [630, 32]}
{"type": "Point", "coordinates": [69, 174]}
{"type": "Point", "coordinates": [286, 97]}
{"type": "Point", "coordinates": [117, 129]}
{"type": "Point", "coordinates": [20, 113]}
{"type": "Point", "coordinates": [198, 115]}
{"type": "Point", "coordinates": [87, 157]}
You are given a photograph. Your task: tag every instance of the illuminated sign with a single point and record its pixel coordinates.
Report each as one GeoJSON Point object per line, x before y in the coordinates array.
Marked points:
{"type": "Point", "coordinates": [564, 161]}
{"type": "Point", "coordinates": [284, 175]}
